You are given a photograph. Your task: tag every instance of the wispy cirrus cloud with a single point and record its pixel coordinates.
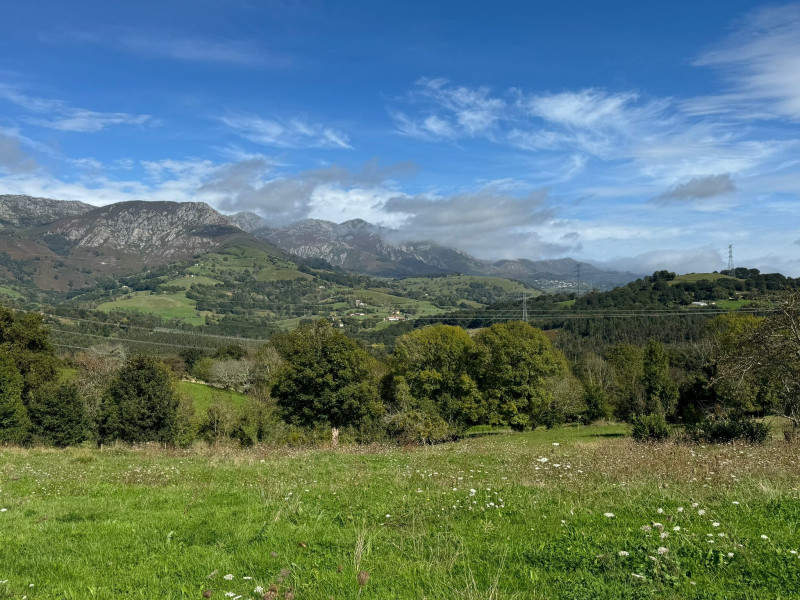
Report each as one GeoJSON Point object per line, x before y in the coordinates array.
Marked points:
{"type": "Point", "coordinates": [291, 133]}
{"type": "Point", "coordinates": [58, 115]}
{"type": "Point", "coordinates": [174, 45]}
{"type": "Point", "coordinates": [759, 61]}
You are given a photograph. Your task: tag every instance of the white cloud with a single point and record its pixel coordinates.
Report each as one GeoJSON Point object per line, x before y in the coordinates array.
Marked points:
{"type": "Point", "coordinates": [62, 117]}
{"type": "Point", "coordinates": [760, 61]}
{"type": "Point", "coordinates": [292, 133]}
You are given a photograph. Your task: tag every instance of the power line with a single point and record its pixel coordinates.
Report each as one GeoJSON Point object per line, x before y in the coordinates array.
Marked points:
{"type": "Point", "coordinates": [116, 339]}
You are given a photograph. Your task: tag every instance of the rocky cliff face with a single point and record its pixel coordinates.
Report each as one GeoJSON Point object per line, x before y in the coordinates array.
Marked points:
{"type": "Point", "coordinates": [248, 221]}
{"type": "Point", "coordinates": [162, 230]}
{"type": "Point", "coordinates": [366, 248]}
{"type": "Point", "coordinates": [26, 211]}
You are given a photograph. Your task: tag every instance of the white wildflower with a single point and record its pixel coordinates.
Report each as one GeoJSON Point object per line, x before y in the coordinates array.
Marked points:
{"type": "Point", "coordinates": [676, 528]}
{"type": "Point", "coordinates": [680, 509]}
{"type": "Point", "coordinates": [660, 511]}
{"type": "Point", "coordinates": [662, 550]}
{"type": "Point", "coordinates": [228, 577]}
{"type": "Point", "coordinates": [730, 554]}
{"type": "Point", "coordinates": [664, 535]}
{"type": "Point", "coordinates": [609, 515]}
{"type": "Point", "coordinates": [715, 524]}
{"type": "Point", "coordinates": [701, 512]}
{"type": "Point", "coordinates": [258, 590]}
{"type": "Point", "coordinates": [624, 553]}
{"type": "Point", "coordinates": [764, 537]}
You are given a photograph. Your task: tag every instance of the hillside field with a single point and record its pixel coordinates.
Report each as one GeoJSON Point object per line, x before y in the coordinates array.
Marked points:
{"type": "Point", "coordinates": [573, 512]}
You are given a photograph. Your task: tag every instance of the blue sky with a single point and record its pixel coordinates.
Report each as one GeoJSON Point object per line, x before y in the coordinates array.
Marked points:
{"type": "Point", "coordinates": [630, 134]}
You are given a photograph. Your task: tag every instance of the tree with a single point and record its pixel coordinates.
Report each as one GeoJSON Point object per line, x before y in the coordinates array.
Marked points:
{"type": "Point", "coordinates": [140, 404]}
{"type": "Point", "coordinates": [660, 390]}
{"type": "Point", "coordinates": [327, 378]}
{"type": "Point", "coordinates": [628, 392]}
{"type": "Point", "coordinates": [437, 364]}
{"type": "Point", "coordinates": [765, 355]}
{"type": "Point", "coordinates": [516, 373]}
{"type": "Point", "coordinates": [26, 342]}
{"type": "Point", "coordinates": [58, 414]}
{"type": "Point", "coordinates": [14, 421]}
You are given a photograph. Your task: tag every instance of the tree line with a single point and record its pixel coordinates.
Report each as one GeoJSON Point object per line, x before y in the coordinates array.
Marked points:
{"type": "Point", "coordinates": [438, 382]}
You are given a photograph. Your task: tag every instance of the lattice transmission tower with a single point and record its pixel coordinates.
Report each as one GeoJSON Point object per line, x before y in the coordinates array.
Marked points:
{"type": "Point", "coordinates": [730, 260]}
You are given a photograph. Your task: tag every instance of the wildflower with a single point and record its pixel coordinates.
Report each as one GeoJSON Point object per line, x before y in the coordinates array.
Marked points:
{"type": "Point", "coordinates": [730, 554]}
{"type": "Point", "coordinates": [676, 528]}
{"type": "Point", "coordinates": [624, 553]}
{"type": "Point", "coordinates": [228, 577]}
{"type": "Point", "coordinates": [556, 444]}
{"type": "Point", "coordinates": [3, 509]}
{"type": "Point", "coordinates": [637, 576]}
{"type": "Point", "coordinates": [258, 590]}
{"type": "Point", "coordinates": [660, 511]}
{"type": "Point", "coordinates": [542, 459]}
{"type": "Point", "coordinates": [388, 516]}
{"type": "Point", "coordinates": [658, 526]}
{"type": "Point", "coordinates": [609, 515]}
{"type": "Point", "coordinates": [792, 551]}
{"type": "Point", "coordinates": [664, 535]}
{"type": "Point", "coordinates": [680, 509]}
{"type": "Point", "coordinates": [646, 528]}
{"type": "Point", "coordinates": [764, 537]}
{"type": "Point", "coordinates": [662, 550]}
{"type": "Point", "coordinates": [715, 524]}
{"type": "Point", "coordinates": [473, 492]}
{"type": "Point", "coordinates": [695, 504]}
{"type": "Point", "coordinates": [735, 503]}
{"type": "Point", "coordinates": [701, 512]}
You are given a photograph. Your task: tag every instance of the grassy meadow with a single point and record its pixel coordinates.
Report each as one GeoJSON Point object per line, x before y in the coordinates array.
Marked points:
{"type": "Point", "coordinates": [565, 513]}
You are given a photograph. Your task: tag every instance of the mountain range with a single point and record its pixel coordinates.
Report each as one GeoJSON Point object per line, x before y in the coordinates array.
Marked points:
{"type": "Point", "coordinates": [61, 245]}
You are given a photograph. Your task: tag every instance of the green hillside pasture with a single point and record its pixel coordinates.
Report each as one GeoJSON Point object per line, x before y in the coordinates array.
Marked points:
{"type": "Point", "coordinates": [733, 304]}
{"type": "Point", "coordinates": [693, 277]}
{"type": "Point", "coordinates": [452, 283]}
{"type": "Point", "coordinates": [569, 513]}
{"type": "Point", "coordinates": [7, 291]}
{"type": "Point", "coordinates": [265, 267]}
{"type": "Point", "coordinates": [190, 280]}
{"type": "Point", "coordinates": [203, 395]}
{"type": "Point", "coordinates": [168, 306]}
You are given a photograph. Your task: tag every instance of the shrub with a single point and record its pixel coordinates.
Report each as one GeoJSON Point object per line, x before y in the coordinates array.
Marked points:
{"type": "Point", "coordinates": [722, 431]}
{"type": "Point", "coordinates": [650, 428]}
{"type": "Point", "coordinates": [58, 414]}
{"type": "Point", "coordinates": [140, 404]}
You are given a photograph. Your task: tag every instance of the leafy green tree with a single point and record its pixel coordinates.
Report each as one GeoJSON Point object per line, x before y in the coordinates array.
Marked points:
{"type": "Point", "coordinates": [58, 414]}
{"type": "Point", "coordinates": [14, 421]}
{"type": "Point", "coordinates": [140, 404]}
{"type": "Point", "coordinates": [518, 372]}
{"type": "Point", "coordinates": [767, 358]}
{"type": "Point", "coordinates": [437, 365]}
{"type": "Point", "coordinates": [25, 340]}
{"type": "Point", "coordinates": [661, 392]}
{"type": "Point", "coordinates": [327, 378]}
{"type": "Point", "coordinates": [627, 390]}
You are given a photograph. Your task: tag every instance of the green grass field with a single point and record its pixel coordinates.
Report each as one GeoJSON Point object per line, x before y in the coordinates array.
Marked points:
{"type": "Point", "coordinates": [732, 304]}
{"type": "Point", "coordinates": [168, 306]}
{"type": "Point", "coordinates": [202, 395]}
{"type": "Point", "coordinates": [692, 277]}
{"type": "Point", "coordinates": [7, 291]}
{"type": "Point", "coordinates": [187, 281]}
{"type": "Point", "coordinates": [578, 513]}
